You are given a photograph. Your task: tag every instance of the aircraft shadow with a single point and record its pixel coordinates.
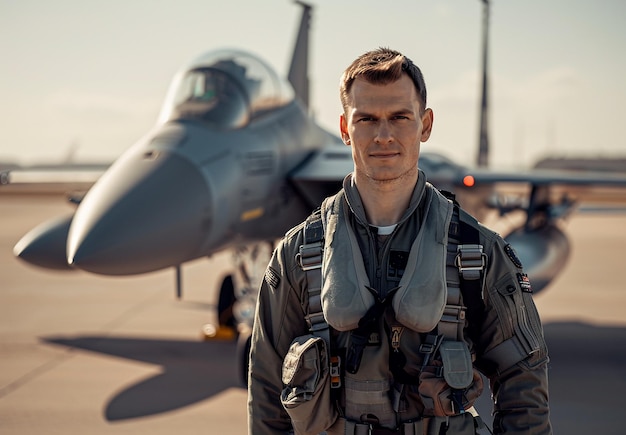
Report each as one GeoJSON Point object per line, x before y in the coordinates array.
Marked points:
{"type": "Point", "coordinates": [586, 375]}
{"type": "Point", "coordinates": [191, 371]}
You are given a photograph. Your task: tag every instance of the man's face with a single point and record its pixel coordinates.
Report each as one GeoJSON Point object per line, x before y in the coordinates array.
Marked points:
{"type": "Point", "coordinates": [383, 125]}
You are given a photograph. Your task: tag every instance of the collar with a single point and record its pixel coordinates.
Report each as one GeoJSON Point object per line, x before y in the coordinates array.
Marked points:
{"type": "Point", "coordinates": [353, 198]}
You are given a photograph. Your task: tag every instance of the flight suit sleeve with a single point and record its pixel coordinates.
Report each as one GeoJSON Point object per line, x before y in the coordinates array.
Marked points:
{"type": "Point", "coordinates": [511, 350]}
{"type": "Point", "coordinates": [279, 318]}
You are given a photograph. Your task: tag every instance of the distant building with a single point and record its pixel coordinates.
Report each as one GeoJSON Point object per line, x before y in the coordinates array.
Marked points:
{"type": "Point", "coordinates": [604, 164]}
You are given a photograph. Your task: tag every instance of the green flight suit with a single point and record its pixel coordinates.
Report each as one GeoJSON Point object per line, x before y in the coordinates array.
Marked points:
{"type": "Point", "coordinates": [510, 349]}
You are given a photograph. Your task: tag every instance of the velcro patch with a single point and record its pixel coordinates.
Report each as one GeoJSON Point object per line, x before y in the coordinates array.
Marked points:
{"type": "Point", "coordinates": [272, 278]}
{"type": "Point", "coordinates": [510, 252]}
{"type": "Point", "coordinates": [524, 282]}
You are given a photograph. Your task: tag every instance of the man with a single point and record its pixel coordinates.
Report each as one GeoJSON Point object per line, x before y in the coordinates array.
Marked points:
{"type": "Point", "coordinates": [402, 353]}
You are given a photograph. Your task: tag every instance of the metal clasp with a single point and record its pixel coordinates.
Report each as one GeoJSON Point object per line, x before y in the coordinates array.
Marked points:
{"type": "Point", "coordinates": [470, 260]}
{"type": "Point", "coordinates": [310, 256]}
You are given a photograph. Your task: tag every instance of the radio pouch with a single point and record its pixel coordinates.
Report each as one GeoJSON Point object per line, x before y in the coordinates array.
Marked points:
{"type": "Point", "coordinates": [306, 395]}
{"type": "Point", "coordinates": [449, 385]}
{"type": "Point", "coordinates": [457, 364]}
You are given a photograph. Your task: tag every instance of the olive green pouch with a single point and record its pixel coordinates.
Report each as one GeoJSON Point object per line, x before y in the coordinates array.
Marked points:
{"type": "Point", "coordinates": [453, 372]}
{"type": "Point", "coordinates": [306, 395]}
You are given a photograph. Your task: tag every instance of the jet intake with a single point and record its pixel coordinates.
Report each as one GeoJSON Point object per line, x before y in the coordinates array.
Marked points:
{"type": "Point", "coordinates": [44, 245]}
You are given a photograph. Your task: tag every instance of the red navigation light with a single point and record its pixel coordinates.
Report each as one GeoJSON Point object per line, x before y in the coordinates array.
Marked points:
{"type": "Point", "coordinates": [468, 181]}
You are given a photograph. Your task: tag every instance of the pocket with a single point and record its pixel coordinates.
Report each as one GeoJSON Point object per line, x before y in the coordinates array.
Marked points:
{"type": "Point", "coordinates": [518, 314]}
{"type": "Point", "coordinates": [306, 395]}
{"type": "Point", "coordinates": [437, 396]}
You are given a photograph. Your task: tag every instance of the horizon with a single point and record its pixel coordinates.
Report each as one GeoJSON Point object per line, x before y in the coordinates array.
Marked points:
{"type": "Point", "coordinates": [87, 79]}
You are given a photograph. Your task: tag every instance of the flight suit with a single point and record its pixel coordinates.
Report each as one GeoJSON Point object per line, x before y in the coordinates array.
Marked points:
{"type": "Point", "coordinates": [509, 349]}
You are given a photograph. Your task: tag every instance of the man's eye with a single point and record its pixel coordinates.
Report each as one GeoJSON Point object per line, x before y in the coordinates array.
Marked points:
{"type": "Point", "coordinates": [365, 119]}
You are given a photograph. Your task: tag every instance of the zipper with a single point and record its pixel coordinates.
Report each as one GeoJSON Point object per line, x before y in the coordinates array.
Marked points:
{"type": "Point", "coordinates": [383, 260]}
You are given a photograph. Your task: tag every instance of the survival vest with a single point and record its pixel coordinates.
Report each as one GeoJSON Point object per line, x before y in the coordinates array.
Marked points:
{"type": "Point", "coordinates": [465, 262]}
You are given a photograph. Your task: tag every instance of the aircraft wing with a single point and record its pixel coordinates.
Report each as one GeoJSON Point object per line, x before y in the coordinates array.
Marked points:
{"type": "Point", "coordinates": [551, 176]}
{"type": "Point", "coordinates": [322, 173]}
{"type": "Point", "coordinates": [587, 187]}
{"type": "Point", "coordinates": [52, 178]}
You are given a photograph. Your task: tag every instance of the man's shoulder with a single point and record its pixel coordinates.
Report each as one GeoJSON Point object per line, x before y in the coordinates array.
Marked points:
{"type": "Point", "coordinates": [294, 237]}
{"type": "Point", "coordinates": [314, 219]}
{"type": "Point", "coordinates": [295, 231]}
{"type": "Point", "coordinates": [487, 235]}
{"type": "Point", "coordinates": [292, 240]}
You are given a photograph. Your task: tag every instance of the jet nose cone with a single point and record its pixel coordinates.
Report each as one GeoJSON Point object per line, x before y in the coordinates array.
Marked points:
{"type": "Point", "coordinates": [151, 210]}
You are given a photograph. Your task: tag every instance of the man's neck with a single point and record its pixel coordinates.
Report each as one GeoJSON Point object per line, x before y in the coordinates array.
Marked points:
{"type": "Point", "coordinates": [385, 203]}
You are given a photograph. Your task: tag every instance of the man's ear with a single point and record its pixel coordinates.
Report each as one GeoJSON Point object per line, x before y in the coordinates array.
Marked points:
{"type": "Point", "coordinates": [427, 124]}
{"type": "Point", "coordinates": [343, 128]}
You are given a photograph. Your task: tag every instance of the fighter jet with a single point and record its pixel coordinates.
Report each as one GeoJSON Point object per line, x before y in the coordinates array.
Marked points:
{"type": "Point", "coordinates": [235, 160]}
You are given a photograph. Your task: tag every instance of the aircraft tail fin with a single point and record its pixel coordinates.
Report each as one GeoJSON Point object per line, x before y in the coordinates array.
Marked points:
{"type": "Point", "coordinates": [299, 69]}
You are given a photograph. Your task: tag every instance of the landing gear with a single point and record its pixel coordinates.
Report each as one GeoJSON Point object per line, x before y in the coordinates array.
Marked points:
{"type": "Point", "coordinates": [237, 301]}
{"type": "Point", "coordinates": [226, 328]}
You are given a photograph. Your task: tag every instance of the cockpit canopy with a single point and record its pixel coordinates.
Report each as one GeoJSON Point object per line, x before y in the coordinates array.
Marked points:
{"type": "Point", "coordinates": [225, 89]}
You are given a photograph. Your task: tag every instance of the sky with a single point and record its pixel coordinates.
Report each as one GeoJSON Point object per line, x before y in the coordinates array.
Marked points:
{"type": "Point", "coordinates": [87, 78]}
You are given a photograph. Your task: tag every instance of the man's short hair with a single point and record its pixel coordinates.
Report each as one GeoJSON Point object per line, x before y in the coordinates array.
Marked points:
{"type": "Point", "coordinates": [381, 66]}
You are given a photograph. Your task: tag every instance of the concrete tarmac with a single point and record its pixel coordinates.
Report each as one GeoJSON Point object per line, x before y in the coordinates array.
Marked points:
{"type": "Point", "coordinates": [81, 353]}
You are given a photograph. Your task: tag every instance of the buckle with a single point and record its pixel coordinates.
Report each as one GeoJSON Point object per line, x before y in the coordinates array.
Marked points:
{"type": "Point", "coordinates": [335, 372]}
{"type": "Point", "coordinates": [429, 347]}
{"type": "Point", "coordinates": [470, 260]}
{"type": "Point", "coordinates": [310, 256]}
{"type": "Point", "coordinates": [430, 344]}
{"type": "Point", "coordinates": [316, 322]}
{"type": "Point", "coordinates": [426, 348]}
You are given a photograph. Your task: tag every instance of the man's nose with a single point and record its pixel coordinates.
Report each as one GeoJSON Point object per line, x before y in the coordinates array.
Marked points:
{"type": "Point", "coordinates": [384, 132]}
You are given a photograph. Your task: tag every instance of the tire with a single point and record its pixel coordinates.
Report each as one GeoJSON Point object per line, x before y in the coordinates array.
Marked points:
{"type": "Point", "coordinates": [225, 303]}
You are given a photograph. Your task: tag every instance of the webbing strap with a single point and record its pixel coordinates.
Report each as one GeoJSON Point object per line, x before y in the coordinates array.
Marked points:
{"type": "Point", "coordinates": [465, 265]}
{"type": "Point", "coordinates": [453, 318]}
{"type": "Point", "coordinates": [471, 265]}
{"type": "Point", "coordinates": [310, 260]}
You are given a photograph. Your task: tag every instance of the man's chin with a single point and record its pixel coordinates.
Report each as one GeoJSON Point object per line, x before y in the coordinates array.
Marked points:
{"type": "Point", "coordinates": [393, 178]}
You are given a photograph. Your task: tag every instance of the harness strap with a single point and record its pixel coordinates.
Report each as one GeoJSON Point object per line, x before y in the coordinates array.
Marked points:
{"type": "Point", "coordinates": [453, 318]}
{"type": "Point", "coordinates": [310, 259]}
{"type": "Point", "coordinates": [360, 336]}
{"type": "Point", "coordinates": [465, 264]}
{"type": "Point", "coordinates": [471, 262]}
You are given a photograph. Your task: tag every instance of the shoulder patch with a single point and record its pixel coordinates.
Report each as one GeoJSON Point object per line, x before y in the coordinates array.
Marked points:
{"type": "Point", "coordinates": [510, 252]}
{"type": "Point", "coordinates": [524, 282]}
{"type": "Point", "coordinates": [272, 278]}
